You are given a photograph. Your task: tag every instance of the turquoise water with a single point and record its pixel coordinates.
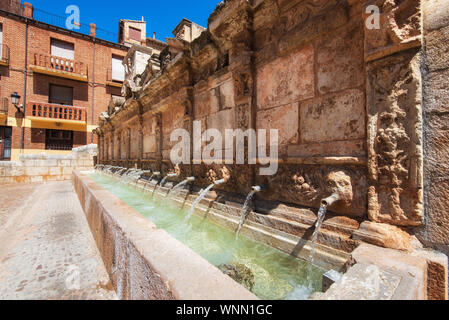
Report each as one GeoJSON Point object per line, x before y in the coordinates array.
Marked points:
{"type": "Point", "coordinates": [278, 276]}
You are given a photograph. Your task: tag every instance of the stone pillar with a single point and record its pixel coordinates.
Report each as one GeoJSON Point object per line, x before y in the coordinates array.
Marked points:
{"type": "Point", "coordinates": [394, 105]}
{"type": "Point", "coordinates": [112, 145]}
{"type": "Point", "coordinates": [128, 142]}
{"type": "Point", "coordinates": [119, 142]}
{"type": "Point", "coordinates": [159, 140]}
{"type": "Point", "coordinates": [101, 148]}
{"type": "Point", "coordinates": [188, 104]}
{"type": "Point", "coordinates": [436, 116]}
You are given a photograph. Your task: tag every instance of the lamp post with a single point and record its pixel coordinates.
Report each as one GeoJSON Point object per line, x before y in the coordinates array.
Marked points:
{"type": "Point", "coordinates": [15, 99]}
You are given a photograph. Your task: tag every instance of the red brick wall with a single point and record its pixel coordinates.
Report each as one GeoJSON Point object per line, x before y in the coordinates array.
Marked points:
{"type": "Point", "coordinates": [39, 41]}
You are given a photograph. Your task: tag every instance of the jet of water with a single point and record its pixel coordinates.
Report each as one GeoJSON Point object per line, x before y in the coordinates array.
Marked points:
{"type": "Point", "coordinates": [162, 183]}
{"type": "Point", "coordinates": [175, 190]}
{"type": "Point", "coordinates": [244, 213]}
{"type": "Point", "coordinates": [197, 201]}
{"type": "Point", "coordinates": [321, 215]}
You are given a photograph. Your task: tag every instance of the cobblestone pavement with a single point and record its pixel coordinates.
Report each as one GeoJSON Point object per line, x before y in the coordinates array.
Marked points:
{"type": "Point", "coordinates": [46, 248]}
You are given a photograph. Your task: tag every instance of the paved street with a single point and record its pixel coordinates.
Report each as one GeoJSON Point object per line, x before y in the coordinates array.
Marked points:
{"type": "Point", "coordinates": [46, 248]}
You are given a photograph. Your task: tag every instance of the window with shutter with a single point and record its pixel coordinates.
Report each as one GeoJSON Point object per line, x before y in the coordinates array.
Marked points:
{"type": "Point", "coordinates": [62, 49]}
{"type": "Point", "coordinates": [135, 34]}
{"type": "Point", "coordinates": [61, 95]}
{"type": "Point", "coordinates": [118, 70]}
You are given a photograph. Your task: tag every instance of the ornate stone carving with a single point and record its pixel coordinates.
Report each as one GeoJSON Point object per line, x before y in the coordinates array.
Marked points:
{"type": "Point", "coordinates": [242, 116]}
{"type": "Point", "coordinates": [243, 82]}
{"type": "Point", "coordinates": [166, 57]}
{"type": "Point", "coordinates": [395, 150]}
{"type": "Point", "coordinates": [308, 185]}
{"type": "Point", "coordinates": [400, 27]}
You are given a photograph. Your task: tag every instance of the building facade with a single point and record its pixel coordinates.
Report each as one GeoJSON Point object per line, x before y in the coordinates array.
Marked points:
{"type": "Point", "coordinates": [64, 79]}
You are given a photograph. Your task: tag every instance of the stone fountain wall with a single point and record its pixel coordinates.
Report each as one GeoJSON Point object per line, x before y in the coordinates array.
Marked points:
{"type": "Point", "coordinates": [38, 168]}
{"type": "Point", "coordinates": [347, 101]}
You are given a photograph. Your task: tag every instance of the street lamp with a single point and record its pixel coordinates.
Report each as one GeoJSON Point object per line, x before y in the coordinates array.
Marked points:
{"type": "Point", "coordinates": [15, 99]}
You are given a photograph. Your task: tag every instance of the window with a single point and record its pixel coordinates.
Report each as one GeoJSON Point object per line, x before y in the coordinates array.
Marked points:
{"type": "Point", "coordinates": [5, 143]}
{"type": "Point", "coordinates": [118, 70]}
{"type": "Point", "coordinates": [135, 34]}
{"type": "Point", "coordinates": [58, 140]}
{"type": "Point", "coordinates": [61, 95]}
{"type": "Point", "coordinates": [62, 49]}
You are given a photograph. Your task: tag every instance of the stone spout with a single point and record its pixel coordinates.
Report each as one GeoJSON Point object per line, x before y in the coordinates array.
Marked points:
{"type": "Point", "coordinates": [259, 188]}
{"type": "Point", "coordinates": [330, 200]}
{"type": "Point", "coordinates": [219, 182]}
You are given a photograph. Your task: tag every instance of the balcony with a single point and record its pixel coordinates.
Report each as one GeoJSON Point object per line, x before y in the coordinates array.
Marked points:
{"type": "Point", "coordinates": [59, 67]}
{"type": "Point", "coordinates": [4, 55]}
{"type": "Point", "coordinates": [110, 81]}
{"type": "Point", "coordinates": [48, 112]}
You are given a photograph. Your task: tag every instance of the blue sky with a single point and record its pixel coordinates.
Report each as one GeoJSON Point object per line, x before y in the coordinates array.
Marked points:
{"type": "Point", "coordinates": [161, 16]}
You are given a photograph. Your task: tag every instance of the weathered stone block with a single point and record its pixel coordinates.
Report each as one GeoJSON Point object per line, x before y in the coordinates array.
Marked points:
{"type": "Point", "coordinates": [29, 163]}
{"type": "Point", "coordinates": [435, 14]}
{"type": "Point", "coordinates": [400, 23]}
{"type": "Point", "coordinates": [340, 117]}
{"type": "Point", "coordinates": [353, 148]}
{"type": "Point", "coordinates": [437, 49]}
{"type": "Point", "coordinates": [36, 171]}
{"type": "Point", "coordinates": [340, 59]}
{"type": "Point", "coordinates": [437, 273]}
{"type": "Point", "coordinates": [436, 91]}
{"type": "Point", "coordinates": [222, 97]}
{"type": "Point", "coordinates": [383, 235]}
{"type": "Point", "coordinates": [221, 121]}
{"type": "Point", "coordinates": [64, 163]}
{"type": "Point", "coordinates": [285, 119]}
{"type": "Point", "coordinates": [202, 104]}
{"type": "Point", "coordinates": [314, 19]}
{"type": "Point", "coordinates": [55, 171]}
{"type": "Point", "coordinates": [286, 80]}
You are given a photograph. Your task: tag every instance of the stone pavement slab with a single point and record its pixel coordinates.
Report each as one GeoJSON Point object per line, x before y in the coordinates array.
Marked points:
{"type": "Point", "coordinates": [46, 248]}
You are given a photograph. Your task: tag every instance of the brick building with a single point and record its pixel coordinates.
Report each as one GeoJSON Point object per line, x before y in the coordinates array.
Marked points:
{"type": "Point", "coordinates": [65, 80]}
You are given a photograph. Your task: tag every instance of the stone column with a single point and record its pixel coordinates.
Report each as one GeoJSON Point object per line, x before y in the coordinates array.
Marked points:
{"type": "Point", "coordinates": [188, 104]}
{"type": "Point", "coordinates": [119, 142]}
{"type": "Point", "coordinates": [112, 145]}
{"type": "Point", "coordinates": [128, 142]}
{"type": "Point", "coordinates": [394, 108]}
{"type": "Point", "coordinates": [159, 140]}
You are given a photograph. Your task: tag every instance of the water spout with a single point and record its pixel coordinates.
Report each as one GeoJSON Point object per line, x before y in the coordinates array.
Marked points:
{"type": "Point", "coordinates": [162, 183]}
{"type": "Point", "coordinates": [245, 211]}
{"type": "Point", "coordinates": [175, 190]}
{"type": "Point", "coordinates": [219, 182]}
{"type": "Point", "coordinates": [330, 200]}
{"type": "Point", "coordinates": [197, 201]}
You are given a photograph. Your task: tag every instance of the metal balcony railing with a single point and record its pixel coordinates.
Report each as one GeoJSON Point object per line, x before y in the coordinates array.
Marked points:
{"type": "Point", "coordinates": [4, 54]}
{"type": "Point", "coordinates": [56, 112]}
{"type": "Point", "coordinates": [60, 64]}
